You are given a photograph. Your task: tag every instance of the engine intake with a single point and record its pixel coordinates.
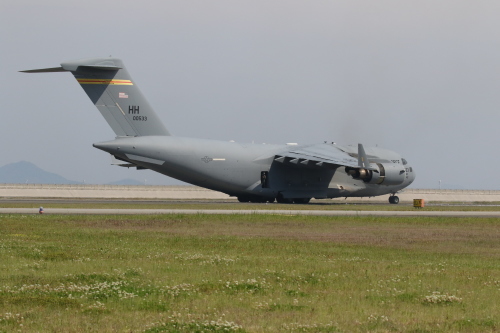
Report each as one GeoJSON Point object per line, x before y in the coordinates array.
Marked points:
{"type": "Point", "coordinates": [385, 174]}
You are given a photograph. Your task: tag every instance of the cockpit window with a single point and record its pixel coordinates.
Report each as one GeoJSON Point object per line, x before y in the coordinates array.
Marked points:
{"type": "Point", "coordinates": [404, 161]}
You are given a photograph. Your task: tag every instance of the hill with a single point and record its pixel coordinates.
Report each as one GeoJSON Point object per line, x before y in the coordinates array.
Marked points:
{"type": "Point", "coordinates": [26, 172]}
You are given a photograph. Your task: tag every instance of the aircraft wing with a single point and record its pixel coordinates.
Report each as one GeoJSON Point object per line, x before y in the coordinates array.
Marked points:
{"type": "Point", "coordinates": [321, 155]}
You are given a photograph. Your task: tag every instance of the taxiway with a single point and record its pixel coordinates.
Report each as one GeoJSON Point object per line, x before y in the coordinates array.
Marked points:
{"type": "Point", "coordinates": [93, 211]}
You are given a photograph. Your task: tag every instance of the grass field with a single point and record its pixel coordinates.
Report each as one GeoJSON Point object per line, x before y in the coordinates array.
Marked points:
{"type": "Point", "coordinates": [248, 273]}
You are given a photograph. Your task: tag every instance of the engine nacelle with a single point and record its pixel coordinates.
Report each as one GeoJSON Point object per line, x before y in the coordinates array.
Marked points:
{"type": "Point", "coordinates": [385, 174]}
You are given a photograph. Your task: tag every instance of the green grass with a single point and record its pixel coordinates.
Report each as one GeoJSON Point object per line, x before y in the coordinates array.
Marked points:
{"type": "Point", "coordinates": [248, 273]}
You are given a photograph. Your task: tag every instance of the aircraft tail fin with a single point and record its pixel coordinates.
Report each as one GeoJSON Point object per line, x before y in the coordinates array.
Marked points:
{"type": "Point", "coordinates": [110, 87]}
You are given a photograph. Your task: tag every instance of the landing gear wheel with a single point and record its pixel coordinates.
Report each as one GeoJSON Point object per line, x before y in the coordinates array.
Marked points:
{"type": "Point", "coordinates": [257, 199]}
{"type": "Point", "coordinates": [301, 200]}
{"type": "Point", "coordinates": [394, 199]}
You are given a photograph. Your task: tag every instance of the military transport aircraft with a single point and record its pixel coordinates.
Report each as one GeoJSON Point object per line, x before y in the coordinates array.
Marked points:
{"type": "Point", "coordinates": [288, 173]}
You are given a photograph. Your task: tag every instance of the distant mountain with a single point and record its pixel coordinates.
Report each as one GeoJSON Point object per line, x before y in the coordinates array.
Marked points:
{"type": "Point", "coordinates": [26, 172]}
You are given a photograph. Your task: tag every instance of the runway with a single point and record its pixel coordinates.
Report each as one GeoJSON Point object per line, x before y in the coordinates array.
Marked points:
{"type": "Point", "coordinates": [188, 192]}
{"type": "Point", "coordinates": [91, 211]}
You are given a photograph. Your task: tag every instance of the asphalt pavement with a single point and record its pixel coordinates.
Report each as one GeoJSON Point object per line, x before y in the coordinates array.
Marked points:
{"type": "Point", "coordinates": [93, 211]}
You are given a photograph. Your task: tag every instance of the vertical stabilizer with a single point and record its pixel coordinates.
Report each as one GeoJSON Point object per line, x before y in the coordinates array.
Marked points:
{"type": "Point", "coordinates": [110, 87]}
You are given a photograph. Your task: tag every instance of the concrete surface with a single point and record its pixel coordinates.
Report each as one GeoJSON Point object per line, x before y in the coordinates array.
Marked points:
{"type": "Point", "coordinates": [107, 191]}
{"type": "Point", "coordinates": [92, 211]}
{"type": "Point", "coordinates": [194, 192]}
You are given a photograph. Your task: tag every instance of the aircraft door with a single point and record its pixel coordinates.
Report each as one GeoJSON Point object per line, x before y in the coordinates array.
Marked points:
{"type": "Point", "coordinates": [264, 179]}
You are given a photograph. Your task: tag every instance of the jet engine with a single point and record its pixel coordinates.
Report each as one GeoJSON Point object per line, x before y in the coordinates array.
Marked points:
{"type": "Point", "coordinates": [382, 174]}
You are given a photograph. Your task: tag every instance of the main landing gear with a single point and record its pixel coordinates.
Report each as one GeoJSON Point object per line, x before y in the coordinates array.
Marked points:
{"type": "Point", "coordinates": [255, 199]}
{"type": "Point", "coordinates": [394, 199]}
{"type": "Point", "coordinates": [279, 199]}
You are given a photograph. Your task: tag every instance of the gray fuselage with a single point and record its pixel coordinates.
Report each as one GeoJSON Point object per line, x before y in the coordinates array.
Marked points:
{"type": "Point", "coordinates": [236, 168]}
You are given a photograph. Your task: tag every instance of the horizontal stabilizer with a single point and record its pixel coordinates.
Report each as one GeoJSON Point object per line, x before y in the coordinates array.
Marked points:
{"type": "Point", "coordinates": [72, 66]}
{"type": "Point", "coordinates": [46, 70]}
{"type": "Point", "coordinates": [108, 64]}
{"type": "Point", "coordinates": [104, 68]}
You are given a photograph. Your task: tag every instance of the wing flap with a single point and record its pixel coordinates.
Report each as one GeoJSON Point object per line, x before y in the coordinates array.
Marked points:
{"type": "Point", "coordinates": [321, 155]}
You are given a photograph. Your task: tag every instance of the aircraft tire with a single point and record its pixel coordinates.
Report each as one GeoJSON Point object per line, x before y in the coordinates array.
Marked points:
{"type": "Point", "coordinates": [301, 200]}
{"type": "Point", "coordinates": [253, 199]}
{"type": "Point", "coordinates": [243, 199]}
{"type": "Point", "coordinates": [394, 199]}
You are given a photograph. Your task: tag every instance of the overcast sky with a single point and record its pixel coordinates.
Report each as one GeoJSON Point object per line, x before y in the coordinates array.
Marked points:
{"type": "Point", "coordinates": [418, 77]}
